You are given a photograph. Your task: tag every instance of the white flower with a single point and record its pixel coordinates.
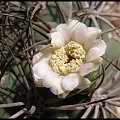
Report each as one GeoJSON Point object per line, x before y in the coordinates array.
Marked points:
{"type": "Point", "coordinates": [76, 51]}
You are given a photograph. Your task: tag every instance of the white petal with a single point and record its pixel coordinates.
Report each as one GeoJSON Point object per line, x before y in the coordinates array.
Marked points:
{"type": "Point", "coordinates": [50, 79]}
{"type": "Point", "coordinates": [40, 68]}
{"type": "Point", "coordinates": [44, 54]}
{"type": "Point", "coordinates": [80, 33]}
{"type": "Point", "coordinates": [57, 86]}
{"type": "Point", "coordinates": [53, 81]}
{"type": "Point", "coordinates": [48, 52]}
{"type": "Point", "coordinates": [84, 83]}
{"type": "Point", "coordinates": [88, 68]}
{"type": "Point", "coordinates": [37, 57]}
{"type": "Point", "coordinates": [92, 34]}
{"type": "Point", "coordinates": [96, 43]}
{"type": "Point", "coordinates": [64, 31]}
{"type": "Point", "coordinates": [57, 40]}
{"type": "Point", "coordinates": [70, 82]}
{"type": "Point", "coordinates": [94, 29]}
{"type": "Point", "coordinates": [72, 23]}
{"type": "Point", "coordinates": [57, 90]}
{"type": "Point", "coordinates": [97, 49]}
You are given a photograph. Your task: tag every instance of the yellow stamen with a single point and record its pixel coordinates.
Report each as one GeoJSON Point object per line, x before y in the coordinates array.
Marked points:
{"type": "Point", "coordinates": [68, 58]}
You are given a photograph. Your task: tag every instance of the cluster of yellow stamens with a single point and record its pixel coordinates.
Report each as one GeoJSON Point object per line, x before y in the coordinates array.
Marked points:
{"type": "Point", "coordinates": [68, 58]}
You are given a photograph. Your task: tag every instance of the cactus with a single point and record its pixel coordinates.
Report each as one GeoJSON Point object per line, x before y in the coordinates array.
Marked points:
{"type": "Point", "coordinates": [24, 32]}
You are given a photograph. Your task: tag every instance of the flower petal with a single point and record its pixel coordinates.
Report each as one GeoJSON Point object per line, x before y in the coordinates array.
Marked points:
{"type": "Point", "coordinates": [97, 49]}
{"type": "Point", "coordinates": [40, 68]}
{"type": "Point", "coordinates": [88, 68]}
{"type": "Point", "coordinates": [46, 54]}
{"type": "Point", "coordinates": [37, 57]}
{"type": "Point", "coordinates": [53, 81]}
{"type": "Point", "coordinates": [40, 65]}
{"type": "Point", "coordinates": [92, 34]}
{"type": "Point", "coordinates": [72, 23]}
{"type": "Point", "coordinates": [96, 43]}
{"type": "Point", "coordinates": [57, 40]}
{"type": "Point", "coordinates": [57, 90]}
{"type": "Point", "coordinates": [64, 31]}
{"type": "Point", "coordinates": [70, 82]}
{"type": "Point", "coordinates": [57, 87]}
{"type": "Point", "coordinates": [51, 78]}
{"type": "Point", "coordinates": [84, 83]}
{"type": "Point", "coordinates": [80, 33]}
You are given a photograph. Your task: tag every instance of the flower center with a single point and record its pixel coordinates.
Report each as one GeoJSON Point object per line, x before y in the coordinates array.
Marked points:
{"type": "Point", "coordinates": [68, 58]}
